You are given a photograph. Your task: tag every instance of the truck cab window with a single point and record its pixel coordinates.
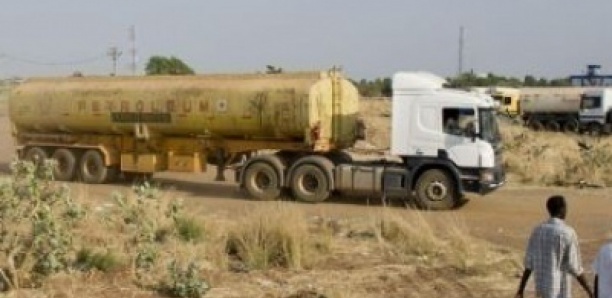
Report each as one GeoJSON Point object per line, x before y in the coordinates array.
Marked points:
{"type": "Point", "coordinates": [590, 102]}
{"type": "Point", "coordinates": [456, 120]}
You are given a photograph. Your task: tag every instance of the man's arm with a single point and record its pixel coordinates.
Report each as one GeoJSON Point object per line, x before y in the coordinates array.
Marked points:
{"type": "Point", "coordinates": [524, 279]}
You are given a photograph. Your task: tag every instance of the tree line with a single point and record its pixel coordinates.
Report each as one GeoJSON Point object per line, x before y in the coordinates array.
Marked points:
{"type": "Point", "coordinates": [378, 87]}
{"type": "Point", "coordinates": [381, 87]}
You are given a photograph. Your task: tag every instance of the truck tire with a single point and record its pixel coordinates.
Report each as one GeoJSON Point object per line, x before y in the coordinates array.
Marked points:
{"type": "Point", "coordinates": [36, 155]}
{"type": "Point", "coordinates": [436, 190]}
{"type": "Point", "coordinates": [553, 126]}
{"type": "Point", "coordinates": [595, 129]}
{"type": "Point", "coordinates": [536, 125]}
{"type": "Point", "coordinates": [92, 168]}
{"type": "Point", "coordinates": [571, 126]}
{"type": "Point", "coordinates": [310, 183]}
{"type": "Point", "coordinates": [65, 167]}
{"type": "Point", "coordinates": [261, 181]}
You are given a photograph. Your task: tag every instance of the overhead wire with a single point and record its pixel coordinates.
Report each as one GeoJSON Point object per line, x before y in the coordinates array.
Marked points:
{"type": "Point", "coordinates": [54, 63]}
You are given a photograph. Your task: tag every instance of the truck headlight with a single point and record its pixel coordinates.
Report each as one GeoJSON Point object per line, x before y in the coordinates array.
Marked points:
{"type": "Point", "coordinates": [487, 176]}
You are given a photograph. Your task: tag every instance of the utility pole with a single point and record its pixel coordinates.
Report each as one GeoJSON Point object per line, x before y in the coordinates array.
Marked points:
{"type": "Point", "coordinates": [133, 50]}
{"type": "Point", "coordinates": [461, 45]}
{"type": "Point", "coordinates": [114, 54]}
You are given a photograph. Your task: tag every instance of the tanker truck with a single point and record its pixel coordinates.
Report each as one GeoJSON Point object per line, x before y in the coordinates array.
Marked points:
{"type": "Point", "coordinates": [550, 108]}
{"type": "Point", "coordinates": [508, 100]}
{"type": "Point", "coordinates": [282, 133]}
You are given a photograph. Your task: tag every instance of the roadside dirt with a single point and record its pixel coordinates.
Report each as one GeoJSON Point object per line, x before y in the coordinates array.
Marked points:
{"type": "Point", "coordinates": [504, 217]}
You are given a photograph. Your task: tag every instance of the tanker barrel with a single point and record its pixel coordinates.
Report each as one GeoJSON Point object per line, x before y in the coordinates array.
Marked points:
{"type": "Point", "coordinates": [271, 108]}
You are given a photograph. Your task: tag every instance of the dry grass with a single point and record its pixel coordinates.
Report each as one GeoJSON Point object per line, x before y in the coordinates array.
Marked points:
{"type": "Point", "coordinates": [445, 242]}
{"type": "Point", "coordinates": [284, 253]}
{"type": "Point", "coordinates": [275, 236]}
{"type": "Point", "coordinates": [377, 115]}
{"type": "Point", "coordinates": [548, 158]}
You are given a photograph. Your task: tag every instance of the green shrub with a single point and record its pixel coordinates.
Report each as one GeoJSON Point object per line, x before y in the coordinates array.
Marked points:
{"type": "Point", "coordinates": [87, 260]}
{"type": "Point", "coordinates": [184, 282]}
{"type": "Point", "coordinates": [189, 230]}
{"type": "Point", "coordinates": [36, 218]}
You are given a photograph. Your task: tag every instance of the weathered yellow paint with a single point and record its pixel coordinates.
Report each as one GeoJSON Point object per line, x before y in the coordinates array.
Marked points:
{"type": "Point", "coordinates": [185, 163]}
{"type": "Point", "coordinates": [277, 108]}
{"type": "Point", "coordinates": [508, 99]}
{"type": "Point", "coordinates": [142, 163]}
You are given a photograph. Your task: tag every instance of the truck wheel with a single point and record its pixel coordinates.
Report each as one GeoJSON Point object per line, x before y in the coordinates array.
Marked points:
{"type": "Point", "coordinates": [262, 182]}
{"type": "Point", "coordinates": [435, 190]}
{"type": "Point", "coordinates": [92, 168]}
{"type": "Point", "coordinates": [35, 155]}
{"type": "Point", "coordinates": [553, 126]}
{"type": "Point", "coordinates": [595, 129]}
{"type": "Point", "coordinates": [536, 125]}
{"type": "Point", "coordinates": [571, 126]}
{"type": "Point", "coordinates": [65, 167]}
{"type": "Point", "coordinates": [309, 183]}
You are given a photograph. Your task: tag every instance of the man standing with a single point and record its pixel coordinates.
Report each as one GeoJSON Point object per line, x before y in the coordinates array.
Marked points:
{"type": "Point", "coordinates": [603, 272]}
{"type": "Point", "coordinates": [553, 255]}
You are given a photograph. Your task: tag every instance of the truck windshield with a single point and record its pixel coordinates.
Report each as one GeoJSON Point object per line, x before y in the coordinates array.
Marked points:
{"type": "Point", "coordinates": [489, 130]}
{"type": "Point", "coordinates": [590, 102]}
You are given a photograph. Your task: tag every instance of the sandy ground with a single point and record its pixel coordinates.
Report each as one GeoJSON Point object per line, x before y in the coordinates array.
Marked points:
{"type": "Point", "coordinates": [504, 217]}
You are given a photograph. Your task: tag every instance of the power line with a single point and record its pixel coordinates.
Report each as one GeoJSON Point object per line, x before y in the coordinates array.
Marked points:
{"type": "Point", "coordinates": [54, 63]}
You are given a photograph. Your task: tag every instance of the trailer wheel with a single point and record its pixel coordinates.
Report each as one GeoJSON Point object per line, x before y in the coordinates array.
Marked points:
{"type": "Point", "coordinates": [536, 125]}
{"type": "Point", "coordinates": [571, 126]}
{"type": "Point", "coordinates": [92, 168]}
{"type": "Point", "coordinates": [435, 190]}
{"type": "Point", "coordinates": [553, 126]}
{"type": "Point", "coordinates": [65, 167]}
{"type": "Point", "coordinates": [309, 183]}
{"type": "Point", "coordinates": [262, 182]}
{"type": "Point", "coordinates": [36, 155]}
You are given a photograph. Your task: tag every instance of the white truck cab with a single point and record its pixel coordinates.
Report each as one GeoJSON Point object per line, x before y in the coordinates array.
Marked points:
{"type": "Point", "coordinates": [454, 129]}
{"type": "Point", "coordinates": [596, 110]}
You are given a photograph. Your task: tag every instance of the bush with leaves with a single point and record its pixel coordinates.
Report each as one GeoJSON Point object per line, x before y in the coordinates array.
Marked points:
{"type": "Point", "coordinates": [184, 282]}
{"type": "Point", "coordinates": [36, 216]}
{"type": "Point", "coordinates": [149, 222]}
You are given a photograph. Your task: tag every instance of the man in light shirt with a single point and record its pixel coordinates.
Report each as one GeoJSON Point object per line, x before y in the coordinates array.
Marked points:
{"type": "Point", "coordinates": [603, 271]}
{"type": "Point", "coordinates": [553, 255]}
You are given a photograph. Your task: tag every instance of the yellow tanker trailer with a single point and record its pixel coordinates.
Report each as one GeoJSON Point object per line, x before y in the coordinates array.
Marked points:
{"type": "Point", "coordinates": [99, 127]}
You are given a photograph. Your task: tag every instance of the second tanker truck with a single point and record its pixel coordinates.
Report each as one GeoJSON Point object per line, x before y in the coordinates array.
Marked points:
{"type": "Point", "coordinates": [100, 128]}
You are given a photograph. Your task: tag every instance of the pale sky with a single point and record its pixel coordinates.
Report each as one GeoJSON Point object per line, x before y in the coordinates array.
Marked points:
{"type": "Point", "coordinates": [551, 38]}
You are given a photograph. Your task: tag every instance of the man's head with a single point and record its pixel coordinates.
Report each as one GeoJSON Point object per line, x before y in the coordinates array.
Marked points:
{"type": "Point", "coordinates": [556, 206]}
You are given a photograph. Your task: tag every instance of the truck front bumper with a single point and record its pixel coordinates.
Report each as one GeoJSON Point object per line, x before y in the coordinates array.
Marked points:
{"type": "Point", "coordinates": [491, 179]}
{"type": "Point", "coordinates": [487, 181]}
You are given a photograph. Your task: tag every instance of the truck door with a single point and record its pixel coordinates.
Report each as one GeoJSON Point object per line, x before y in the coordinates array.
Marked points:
{"type": "Point", "coordinates": [459, 145]}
